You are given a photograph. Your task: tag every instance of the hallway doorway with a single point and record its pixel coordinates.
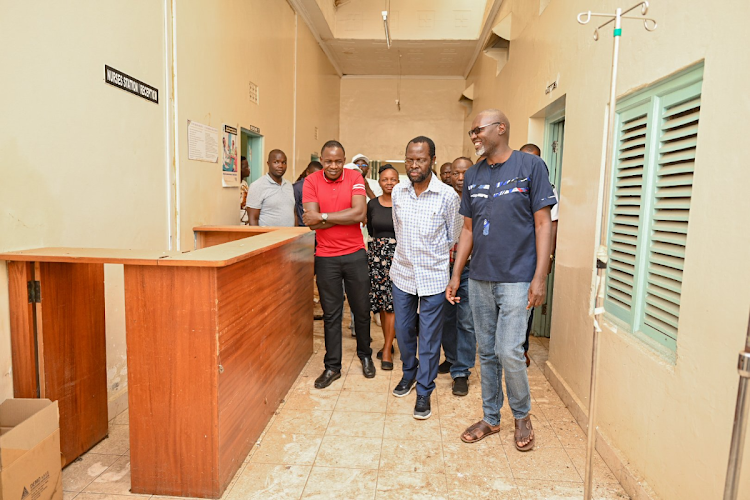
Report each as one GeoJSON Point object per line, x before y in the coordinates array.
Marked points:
{"type": "Point", "coordinates": [251, 145]}
{"type": "Point", "coordinates": [554, 131]}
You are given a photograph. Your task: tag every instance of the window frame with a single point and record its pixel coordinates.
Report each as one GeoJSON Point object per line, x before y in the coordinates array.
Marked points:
{"type": "Point", "coordinates": [651, 99]}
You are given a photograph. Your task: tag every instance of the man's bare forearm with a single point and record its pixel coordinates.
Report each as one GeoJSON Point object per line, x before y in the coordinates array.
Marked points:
{"type": "Point", "coordinates": [463, 250]}
{"type": "Point", "coordinates": [347, 217]}
{"type": "Point", "coordinates": [543, 247]}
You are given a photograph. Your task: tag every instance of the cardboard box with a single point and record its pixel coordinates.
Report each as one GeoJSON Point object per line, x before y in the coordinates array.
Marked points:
{"type": "Point", "coordinates": [30, 460]}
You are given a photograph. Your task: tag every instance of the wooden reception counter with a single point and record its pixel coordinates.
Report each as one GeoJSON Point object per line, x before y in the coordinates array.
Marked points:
{"type": "Point", "coordinates": [215, 339]}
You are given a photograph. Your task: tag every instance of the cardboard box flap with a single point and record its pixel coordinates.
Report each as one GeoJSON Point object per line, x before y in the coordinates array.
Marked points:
{"type": "Point", "coordinates": [40, 418]}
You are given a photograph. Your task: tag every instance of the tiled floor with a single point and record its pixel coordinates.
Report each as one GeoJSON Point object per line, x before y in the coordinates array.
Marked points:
{"type": "Point", "coordinates": [354, 440]}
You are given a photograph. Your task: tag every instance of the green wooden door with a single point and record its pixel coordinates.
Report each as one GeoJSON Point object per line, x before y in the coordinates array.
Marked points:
{"type": "Point", "coordinates": [552, 155]}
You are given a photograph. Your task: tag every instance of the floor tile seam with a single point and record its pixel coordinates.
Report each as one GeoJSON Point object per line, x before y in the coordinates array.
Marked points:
{"type": "Point", "coordinates": [307, 479]}
{"type": "Point", "coordinates": [341, 467]}
{"type": "Point", "coordinates": [574, 464]}
{"type": "Point", "coordinates": [102, 472]}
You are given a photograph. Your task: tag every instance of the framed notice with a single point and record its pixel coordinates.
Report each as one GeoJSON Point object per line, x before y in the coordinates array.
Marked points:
{"type": "Point", "coordinates": [230, 168]}
{"type": "Point", "coordinates": [203, 142]}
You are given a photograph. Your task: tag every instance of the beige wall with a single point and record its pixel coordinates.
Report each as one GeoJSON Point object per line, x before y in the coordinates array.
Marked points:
{"type": "Point", "coordinates": [220, 49]}
{"type": "Point", "coordinates": [82, 163]}
{"type": "Point", "coordinates": [318, 98]}
{"type": "Point", "coordinates": [101, 175]}
{"type": "Point", "coordinates": [372, 124]}
{"type": "Point", "coordinates": [671, 420]}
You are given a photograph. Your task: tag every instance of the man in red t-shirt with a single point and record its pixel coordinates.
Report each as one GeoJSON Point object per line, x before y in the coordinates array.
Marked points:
{"type": "Point", "coordinates": [334, 205]}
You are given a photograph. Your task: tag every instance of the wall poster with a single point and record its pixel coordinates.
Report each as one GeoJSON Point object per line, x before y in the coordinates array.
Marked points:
{"type": "Point", "coordinates": [203, 142]}
{"type": "Point", "coordinates": [230, 169]}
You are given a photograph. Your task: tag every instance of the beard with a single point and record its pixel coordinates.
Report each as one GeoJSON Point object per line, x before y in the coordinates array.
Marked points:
{"type": "Point", "coordinates": [420, 178]}
{"type": "Point", "coordinates": [481, 150]}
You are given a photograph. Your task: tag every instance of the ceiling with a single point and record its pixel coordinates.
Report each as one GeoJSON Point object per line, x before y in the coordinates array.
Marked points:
{"type": "Point", "coordinates": [439, 38]}
{"type": "Point", "coordinates": [405, 57]}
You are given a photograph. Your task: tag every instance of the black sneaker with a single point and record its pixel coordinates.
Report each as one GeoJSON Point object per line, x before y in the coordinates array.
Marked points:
{"type": "Point", "coordinates": [461, 386]}
{"type": "Point", "coordinates": [445, 367]}
{"type": "Point", "coordinates": [422, 409]}
{"type": "Point", "coordinates": [404, 387]}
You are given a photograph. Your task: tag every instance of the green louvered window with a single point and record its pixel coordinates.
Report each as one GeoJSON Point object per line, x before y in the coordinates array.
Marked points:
{"type": "Point", "coordinates": [654, 161]}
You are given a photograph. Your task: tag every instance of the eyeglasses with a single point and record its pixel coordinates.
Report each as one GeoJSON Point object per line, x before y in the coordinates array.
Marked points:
{"type": "Point", "coordinates": [475, 131]}
{"type": "Point", "coordinates": [419, 161]}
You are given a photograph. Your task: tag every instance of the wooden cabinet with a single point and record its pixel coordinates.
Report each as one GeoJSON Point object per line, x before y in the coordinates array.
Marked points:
{"type": "Point", "coordinates": [215, 339]}
{"type": "Point", "coordinates": [58, 345]}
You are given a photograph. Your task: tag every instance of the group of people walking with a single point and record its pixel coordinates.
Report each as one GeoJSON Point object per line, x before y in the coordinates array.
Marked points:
{"type": "Point", "coordinates": [458, 261]}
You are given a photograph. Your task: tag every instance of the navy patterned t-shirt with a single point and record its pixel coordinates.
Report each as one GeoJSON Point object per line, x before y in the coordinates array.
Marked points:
{"type": "Point", "coordinates": [501, 200]}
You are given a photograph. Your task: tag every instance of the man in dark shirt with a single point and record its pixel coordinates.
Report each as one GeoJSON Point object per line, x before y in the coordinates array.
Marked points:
{"type": "Point", "coordinates": [313, 166]}
{"type": "Point", "coordinates": [507, 230]}
{"type": "Point", "coordinates": [445, 173]}
{"type": "Point", "coordinates": [459, 340]}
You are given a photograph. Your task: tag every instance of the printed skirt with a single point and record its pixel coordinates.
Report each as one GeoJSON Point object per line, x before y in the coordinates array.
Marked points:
{"type": "Point", "coordinates": [379, 258]}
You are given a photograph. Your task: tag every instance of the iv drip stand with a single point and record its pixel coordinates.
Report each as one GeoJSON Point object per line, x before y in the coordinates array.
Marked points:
{"type": "Point", "coordinates": [739, 430]}
{"type": "Point", "coordinates": [602, 208]}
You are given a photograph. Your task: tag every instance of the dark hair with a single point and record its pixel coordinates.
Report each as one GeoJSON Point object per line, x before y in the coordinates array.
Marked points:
{"type": "Point", "coordinates": [385, 167]}
{"type": "Point", "coordinates": [463, 158]}
{"type": "Point", "coordinates": [242, 158]}
{"type": "Point", "coordinates": [332, 144]}
{"type": "Point", "coordinates": [313, 166]}
{"type": "Point", "coordinates": [531, 148]}
{"type": "Point", "coordinates": [423, 140]}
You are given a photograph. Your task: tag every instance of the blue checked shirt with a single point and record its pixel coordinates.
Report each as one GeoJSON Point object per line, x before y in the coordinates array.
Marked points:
{"type": "Point", "coordinates": [426, 228]}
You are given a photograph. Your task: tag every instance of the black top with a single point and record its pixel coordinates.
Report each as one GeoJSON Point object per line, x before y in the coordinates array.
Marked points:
{"type": "Point", "coordinates": [379, 220]}
{"type": "Point", "coordinates": [297, 187]}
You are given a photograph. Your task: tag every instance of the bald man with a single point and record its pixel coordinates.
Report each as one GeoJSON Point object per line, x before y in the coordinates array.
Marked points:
{"type": "Point", "coordinates": [270, 199]}
{"type": "Point", "coordinates": [507, 231]}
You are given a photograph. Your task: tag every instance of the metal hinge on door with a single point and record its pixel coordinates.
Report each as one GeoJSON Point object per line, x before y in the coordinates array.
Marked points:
{"type": "Point", "coordinates": [544, 308]}
{"type": "Point", "coordinates": [554, 146]}
{"type": "Point", "coordinates": [35, 292]}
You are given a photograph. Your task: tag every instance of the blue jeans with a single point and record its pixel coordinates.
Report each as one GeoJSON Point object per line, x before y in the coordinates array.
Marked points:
{"type": "Point", "coordinates": [458, 331]}
{"type": "Point", "coordinates": [427, 339]}
{"type": "Point", "coordinates": [500, 320]}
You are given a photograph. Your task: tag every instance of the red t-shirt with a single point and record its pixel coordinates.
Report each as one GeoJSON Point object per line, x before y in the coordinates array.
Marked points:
{"type": "Point", "coordinates": [334, 196]}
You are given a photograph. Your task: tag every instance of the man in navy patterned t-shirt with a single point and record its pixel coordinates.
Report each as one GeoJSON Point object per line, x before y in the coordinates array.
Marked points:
{"type": "Point", "coordinates": [507, 230]}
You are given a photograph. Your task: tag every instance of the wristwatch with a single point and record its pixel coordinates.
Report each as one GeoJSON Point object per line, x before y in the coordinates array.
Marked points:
{"type": "Point", "coordinates": [324, 217]}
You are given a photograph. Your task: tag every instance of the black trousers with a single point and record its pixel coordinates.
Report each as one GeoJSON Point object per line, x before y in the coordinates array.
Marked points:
{"type": "Point", "coordinates": [354, 272]}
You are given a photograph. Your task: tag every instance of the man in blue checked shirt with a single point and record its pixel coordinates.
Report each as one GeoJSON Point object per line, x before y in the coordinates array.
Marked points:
{"type": "Point", "coordinates": [427, 223]}
{"type": "Point", "coordinates": [507, 230]}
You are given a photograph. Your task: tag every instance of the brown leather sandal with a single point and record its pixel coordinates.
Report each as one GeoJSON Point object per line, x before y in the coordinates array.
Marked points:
{"type": "Point", "coordinates": [479, 431]}
{"type": "Point", "coordinates": [524, 431]}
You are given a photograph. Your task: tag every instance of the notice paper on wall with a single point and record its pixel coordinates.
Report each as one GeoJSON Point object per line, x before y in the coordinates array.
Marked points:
{"type": "Point", "coordinates": [203, 142]}
{"type": "Point", "coordinates": [230, 175]}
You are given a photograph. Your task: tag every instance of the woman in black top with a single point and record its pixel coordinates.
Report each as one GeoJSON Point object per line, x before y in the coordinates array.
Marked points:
{"type": "Point", "coordinates": [379, 256]}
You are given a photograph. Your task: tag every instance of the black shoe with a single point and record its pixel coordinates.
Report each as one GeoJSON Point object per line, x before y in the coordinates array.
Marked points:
{"type": "Point", "coordinates": [368, 367]}
{"type": "Point", "coordinates": [386, 365]}
{"type": "Point", "coordinates": [461, 386]}
{"type": "Point", "coordinates": [404, 387]}
{"type": "Point", "coordinates": [326, 378]}
{"type": "Point", "coordinates": [422, 409]}
{"type": "Point", "coordinates": [445, 367]}
{"type": "Point", "coordinates": [380, 353]}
